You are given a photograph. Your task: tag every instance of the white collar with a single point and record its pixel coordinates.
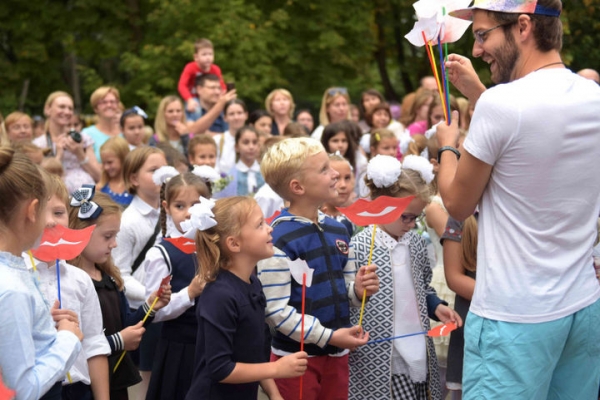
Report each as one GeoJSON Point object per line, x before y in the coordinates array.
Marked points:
{"type": "Point", "coordinates": [388, 241]}
{"type": "Point", "coordinates": [244, 168]}
{"type": "Point", "coordinates": [143, 207]}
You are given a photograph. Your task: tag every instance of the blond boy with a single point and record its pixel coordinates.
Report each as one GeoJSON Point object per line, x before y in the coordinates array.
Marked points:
{"type": "Point", "coordinates": [298, 169]}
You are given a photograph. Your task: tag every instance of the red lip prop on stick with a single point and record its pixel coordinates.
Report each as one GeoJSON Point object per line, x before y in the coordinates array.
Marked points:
{"type": "Point", "coordinates": [184, 244]}
{"type": "Point", "coordinates": [60, 243]}
{"type": "Point", "coordinates": [382, 210]}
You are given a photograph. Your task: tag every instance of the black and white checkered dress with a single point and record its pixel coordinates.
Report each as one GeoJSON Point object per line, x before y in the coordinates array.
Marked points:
{"type": "Point", "coordinates": [371, 366]}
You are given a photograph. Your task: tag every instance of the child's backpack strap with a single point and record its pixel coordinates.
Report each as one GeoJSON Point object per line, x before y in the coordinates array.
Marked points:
{"type": "Point", "coordinates": [165, 255]}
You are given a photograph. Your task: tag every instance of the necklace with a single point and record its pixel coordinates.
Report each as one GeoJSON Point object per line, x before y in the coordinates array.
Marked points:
{"type": "Point", "coordinates": [549, 65]}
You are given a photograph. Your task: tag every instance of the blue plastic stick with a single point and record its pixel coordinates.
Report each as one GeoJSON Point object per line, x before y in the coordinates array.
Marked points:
{"type": "Point", "coordinates": [396, 337]}
{"type": "Point", "coordinates": [58, 280]}
{"type": "Point", "coordinates": [444, 80]}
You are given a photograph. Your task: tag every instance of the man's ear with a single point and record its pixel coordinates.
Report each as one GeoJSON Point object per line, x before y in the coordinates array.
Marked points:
{"type": "Point", "coordinates": [525, 26]}
{"type": "Point", "coordinates": [233, 244]}
{"type": "Point", "coordinates": [296, 187]}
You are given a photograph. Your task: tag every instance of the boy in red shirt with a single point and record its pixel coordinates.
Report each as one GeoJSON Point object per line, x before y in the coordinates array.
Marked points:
{"type": "Point", "coordinates": [204, 56]}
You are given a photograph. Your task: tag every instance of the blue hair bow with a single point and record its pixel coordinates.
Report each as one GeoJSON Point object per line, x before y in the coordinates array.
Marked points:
{"type": "Point", "coordinates": [82, 198]}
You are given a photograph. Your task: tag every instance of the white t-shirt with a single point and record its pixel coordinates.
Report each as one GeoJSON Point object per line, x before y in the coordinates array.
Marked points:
{"type": "Point", "coordinates": [538, 212]}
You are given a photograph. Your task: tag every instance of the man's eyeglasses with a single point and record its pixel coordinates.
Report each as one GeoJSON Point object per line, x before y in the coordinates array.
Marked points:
{"type": "Point", "coordinates": [410, 218]}
{"type": "Point", "coordinates": [337, 90]}
{"type": "Point", "coordinates": [480, 36]}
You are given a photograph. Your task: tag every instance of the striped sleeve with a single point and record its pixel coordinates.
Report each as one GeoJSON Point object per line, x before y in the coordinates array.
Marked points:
{"type": "Point", "coordinates": [276, 280]}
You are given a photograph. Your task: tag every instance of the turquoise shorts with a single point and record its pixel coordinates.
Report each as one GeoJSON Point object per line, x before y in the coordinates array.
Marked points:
{"type": "Point", "coordinates": [551, 360]}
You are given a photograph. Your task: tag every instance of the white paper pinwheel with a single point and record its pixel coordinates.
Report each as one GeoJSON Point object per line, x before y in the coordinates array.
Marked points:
{"type": "Point", "coordinates": [163, 174]}
{"type": "Point", "coordinates": [299, 267]}
{"type": "Point", "coordinates": [207, 173]}
{"type": "Point", "coordinates": [201, 218]}
{"type": "Point", "coordinates": [434, 21]}
{"type": "Point", "coordinates": [82, 198]}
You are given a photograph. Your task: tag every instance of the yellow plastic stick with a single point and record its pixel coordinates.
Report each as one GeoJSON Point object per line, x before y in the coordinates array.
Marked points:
{"type": "Point", "coordinates": [364, 296]}
{"type": "Point", "coordinates": [437, 78]}
{"type": "Point", "coordinates": [144, 320]}
{"type": "Point", "coordinates": [32, 260]}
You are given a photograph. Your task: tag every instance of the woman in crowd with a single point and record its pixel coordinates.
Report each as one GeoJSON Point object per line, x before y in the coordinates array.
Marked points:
{"type": "Point", "coordinates": [105, 102]}
{"type": "Point", "coordinates": [335, 107]}
{"type": "Point", "coordinates": [75, 151]}
{"type": "Point", "coordinates": [280, 104]}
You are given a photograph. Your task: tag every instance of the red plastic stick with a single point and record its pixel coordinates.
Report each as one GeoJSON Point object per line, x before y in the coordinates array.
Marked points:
{"type": "Point", "coordinates": [302, 323]}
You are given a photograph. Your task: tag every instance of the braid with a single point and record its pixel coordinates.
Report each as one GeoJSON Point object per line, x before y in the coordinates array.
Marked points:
{"type": "Point", "coordinates": [163, 213]}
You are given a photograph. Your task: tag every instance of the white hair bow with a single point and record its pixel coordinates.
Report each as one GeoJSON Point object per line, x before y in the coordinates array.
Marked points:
{"type": "Point", "coordinates": [384, 171]}
{"type": "Point", "coordinates": [201, 218]}
{"type": "Point", "coordinates": [206, 172]}
{"type": "Point", "coordinates": [421, 165]}
{"type": "Point", "coordinates": [82, 198]}
{"type": "Point", "coordinates": [163, 174]}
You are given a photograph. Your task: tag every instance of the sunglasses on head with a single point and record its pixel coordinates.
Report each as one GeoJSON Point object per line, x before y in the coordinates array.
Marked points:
{"type": "Point", "coordinates": [134, 110]}
{"type": "Point", "coordinates": [337, 90]}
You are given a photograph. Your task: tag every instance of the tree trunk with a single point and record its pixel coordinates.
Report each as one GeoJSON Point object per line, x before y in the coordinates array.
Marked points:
{"type": "Point", "coordinates": [23, 97]}
{"type": "Point", "coordinates": [381, 57]}
{"type": "Point", "coordinates": [75, 88]}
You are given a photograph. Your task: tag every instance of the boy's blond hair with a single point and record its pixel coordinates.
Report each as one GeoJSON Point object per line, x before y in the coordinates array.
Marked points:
{"type": "Point", "coordinates": [56, 187]}
{"type": "Point", "coordinates": [284, 161]}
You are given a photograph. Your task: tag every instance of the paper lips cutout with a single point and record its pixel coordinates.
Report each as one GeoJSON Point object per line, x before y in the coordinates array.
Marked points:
{"type": "Point", "coordinates": [60, 243]}
{"type": "Point", "coordinates": [442, 330]}
{"type": "Point", "coordinates": [184, 244]}
{"type": "Point", "coordinates": [382, 210]}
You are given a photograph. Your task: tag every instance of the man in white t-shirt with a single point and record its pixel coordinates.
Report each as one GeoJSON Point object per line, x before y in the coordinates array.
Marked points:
{"type": "Point", "coordinates": [529, 162]}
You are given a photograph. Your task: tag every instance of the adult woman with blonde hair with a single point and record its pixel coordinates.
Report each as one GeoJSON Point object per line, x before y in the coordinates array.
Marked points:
{"type": "Point", "coordinates": [280, 104]}
{"type": "Point", "coordinates": [76, 151]}
{"type": "Point", "coordinates": [170, 125]}
{"type": "Point", "coordinates": [18, 127]}
{"type": "Point", "coordinates": [106, 104]}
{"type": "Point", "coordinates": [335, 107]}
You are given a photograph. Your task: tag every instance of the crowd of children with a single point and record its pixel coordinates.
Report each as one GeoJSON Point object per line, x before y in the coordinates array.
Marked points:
{"type": "Point", "coordinates": [224, 202]}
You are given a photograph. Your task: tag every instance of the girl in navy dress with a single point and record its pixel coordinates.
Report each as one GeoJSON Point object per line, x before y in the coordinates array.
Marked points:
{"type": "Point", "coordinates": [232, 237]}
{"type": "Point", "coordinates": [174, 360]}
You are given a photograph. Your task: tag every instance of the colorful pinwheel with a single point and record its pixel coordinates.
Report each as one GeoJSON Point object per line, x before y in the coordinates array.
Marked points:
{"type": "Point", "coordinates": [435, 25]}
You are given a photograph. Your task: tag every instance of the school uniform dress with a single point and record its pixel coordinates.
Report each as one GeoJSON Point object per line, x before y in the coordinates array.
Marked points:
{"type": "Point", "coordinates": [231, 322]}
{"type": "Point", "coordinates": [248, 179]}
{"type": "Point", "coordinates": [405, 368]}
{"type": "Point", "coordinates": [173, 366]}
{"type": "Point", "coordinates": [116, 315]}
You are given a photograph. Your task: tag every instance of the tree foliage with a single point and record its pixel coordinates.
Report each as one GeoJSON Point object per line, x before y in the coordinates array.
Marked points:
{"type": "Point", "coordinates": [141, 46]}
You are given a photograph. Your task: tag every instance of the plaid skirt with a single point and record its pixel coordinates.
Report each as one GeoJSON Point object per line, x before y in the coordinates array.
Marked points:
{"type": "Point", "coordinates": [405, 389]}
